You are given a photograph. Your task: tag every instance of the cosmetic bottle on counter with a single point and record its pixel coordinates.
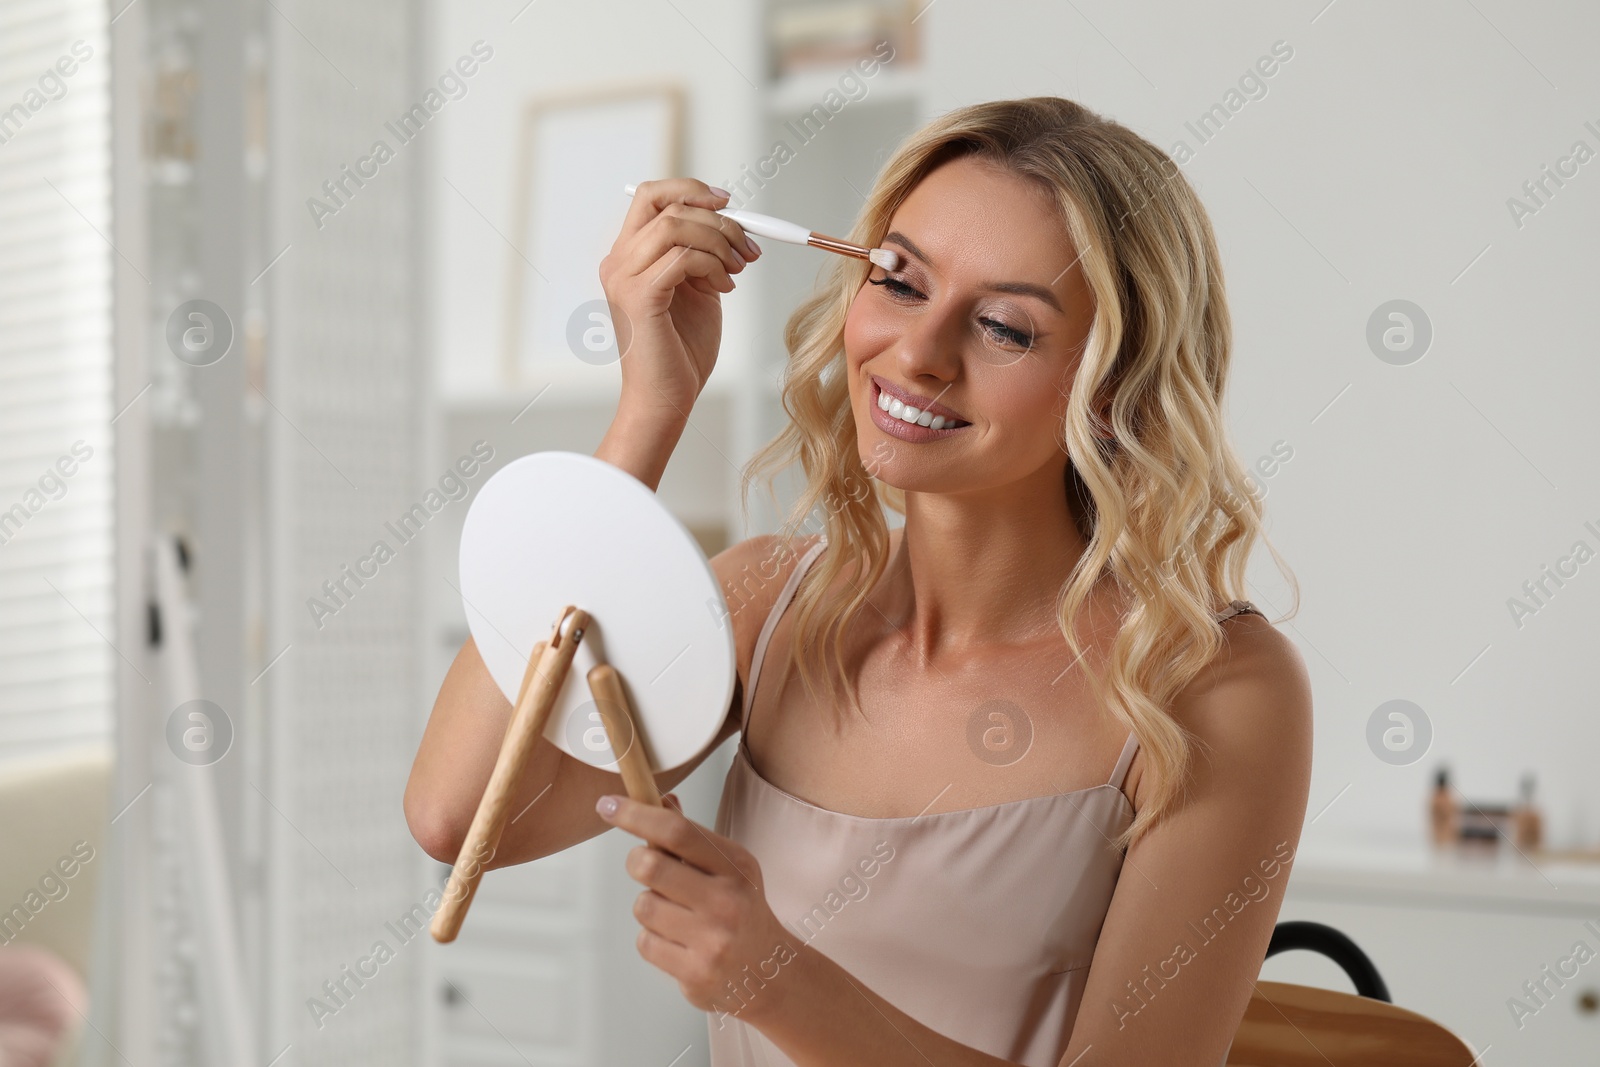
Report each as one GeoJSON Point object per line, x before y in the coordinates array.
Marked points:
{"type": "Point", "coordinates": [1444, 812]}
{"type": "Point", "coordinates": [1527, 825]}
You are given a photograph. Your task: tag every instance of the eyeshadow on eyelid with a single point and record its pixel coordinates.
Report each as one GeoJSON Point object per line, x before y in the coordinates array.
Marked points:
{"type": "Point", "coordinates": [1038, 292]}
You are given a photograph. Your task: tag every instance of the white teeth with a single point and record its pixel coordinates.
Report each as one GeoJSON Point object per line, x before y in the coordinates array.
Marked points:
{"type": "Point", "coordinates": [906, 413]}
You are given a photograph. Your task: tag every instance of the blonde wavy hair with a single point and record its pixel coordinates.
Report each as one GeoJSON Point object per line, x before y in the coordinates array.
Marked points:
{"type": "Point", "coordinates": [1166, 508]}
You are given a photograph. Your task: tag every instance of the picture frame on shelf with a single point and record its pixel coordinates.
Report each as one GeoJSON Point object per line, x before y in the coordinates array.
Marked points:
{"type": "Point", "coordinates": [806, 36]}
{"type": "Point", "coordinates": [575, 152]}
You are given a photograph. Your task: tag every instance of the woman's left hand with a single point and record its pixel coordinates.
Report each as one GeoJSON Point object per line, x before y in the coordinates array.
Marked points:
{"type": "Point", "coordinates": [704, 910]}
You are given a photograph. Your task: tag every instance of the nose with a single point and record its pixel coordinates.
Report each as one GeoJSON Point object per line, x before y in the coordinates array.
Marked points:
{"type": "Point", "coordinates": [931, 347]}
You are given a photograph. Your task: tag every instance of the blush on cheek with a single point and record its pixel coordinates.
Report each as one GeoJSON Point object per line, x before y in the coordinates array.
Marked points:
{"type": "Point", "coordinates": [867, 331]}
{"type": "Point", "coordinates": [852, 328]}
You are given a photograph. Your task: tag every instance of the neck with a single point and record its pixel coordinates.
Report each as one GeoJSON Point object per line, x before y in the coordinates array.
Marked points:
{"type": "Point", "coordinates": [982, 568]}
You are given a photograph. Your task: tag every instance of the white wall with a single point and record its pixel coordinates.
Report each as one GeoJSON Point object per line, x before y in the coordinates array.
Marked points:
{"type": "Point", "coordinates": [1378, 166]}
{"type": "Point", "coordinates": [563, 48]}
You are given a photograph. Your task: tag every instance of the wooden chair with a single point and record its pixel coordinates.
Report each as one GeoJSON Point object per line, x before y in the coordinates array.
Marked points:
{"type": "Point", "coordinates": [1301, 1026]}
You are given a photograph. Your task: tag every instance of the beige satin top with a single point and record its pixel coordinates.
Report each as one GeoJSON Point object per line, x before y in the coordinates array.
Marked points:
{"type": "Point", "coordinates": [980, 923]}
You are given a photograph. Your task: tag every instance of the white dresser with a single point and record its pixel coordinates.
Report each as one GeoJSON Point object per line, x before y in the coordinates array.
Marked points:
{"type": "Point", "coordinates": [1457, 937]}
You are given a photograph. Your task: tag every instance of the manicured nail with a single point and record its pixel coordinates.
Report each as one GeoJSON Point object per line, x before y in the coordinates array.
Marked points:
{"type": "Point", "coordinates": [750, 243]}
{"type": "Point", "coordinates": [720, 192]}
{"type": "Point", "coordinates": [606, 806]}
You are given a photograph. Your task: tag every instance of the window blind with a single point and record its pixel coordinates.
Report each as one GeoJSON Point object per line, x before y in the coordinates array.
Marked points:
{"type": "Point", "coordinates": [56, 618]}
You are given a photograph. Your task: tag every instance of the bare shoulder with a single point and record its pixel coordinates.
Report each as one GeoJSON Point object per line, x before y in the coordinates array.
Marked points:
{"type": "Point", "coordinates": [1254, 651]}
{"type": "Point", "coordinates": [1250, 707]}
{"type": "Point", "coordinates": [1248, 713]}
{"type": "Point", "coordinates": [752, 573]}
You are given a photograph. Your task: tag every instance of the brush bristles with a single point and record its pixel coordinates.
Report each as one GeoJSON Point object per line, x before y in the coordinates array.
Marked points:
{"type": "Point", "coordinates": [884, 258]}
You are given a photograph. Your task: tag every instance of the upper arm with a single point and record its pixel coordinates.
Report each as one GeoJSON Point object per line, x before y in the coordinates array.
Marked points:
{"type": "Point", "coordinates": [462, 739]}
{"type": "Point", "coordinates": [1199, 894]}
{"type": "Point", "coordinates": [752, 573]}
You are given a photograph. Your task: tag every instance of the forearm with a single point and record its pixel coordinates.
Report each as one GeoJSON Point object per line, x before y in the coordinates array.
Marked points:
{"type": "Point", "coordinates": [467, 726]}
{"type": "Point", "coordinates": [641, 442]}
{"type": "Point", "coordinates": [862, 1029]}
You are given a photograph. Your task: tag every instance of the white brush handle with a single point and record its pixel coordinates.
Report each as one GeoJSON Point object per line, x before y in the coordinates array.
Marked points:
{"type": "Point", "coordinates": [767, 226]}
{"type": "Point", "coordinates": [760, 225]}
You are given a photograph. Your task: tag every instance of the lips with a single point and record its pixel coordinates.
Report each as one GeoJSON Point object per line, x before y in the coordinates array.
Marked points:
{"type": "Point", "coordinates": [921, 403]}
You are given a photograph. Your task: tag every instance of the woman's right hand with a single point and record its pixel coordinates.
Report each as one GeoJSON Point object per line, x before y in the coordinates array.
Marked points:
{"type": "Point", "coordinates": [662, 278]}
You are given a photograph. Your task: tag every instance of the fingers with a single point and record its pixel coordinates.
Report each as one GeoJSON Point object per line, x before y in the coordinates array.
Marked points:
{"type": "Point", "coordinates": [686, 226]}
{"type": "Point", "coordinates": [739, 242]}
{"type": "Point", "coordinates": [672, 832]}
{"type": "Point", "coordinates": [681, 264]}
{"type": "Point", "coordinates": [649, 198]}
{"type": "Point", "coordinates": [670, 956]}
{"type": "Point", "coordinates": [667, 875]}
{"type": "Point", "coordinates": [673, 236]}
{"type": "Point", "coordinates": [671, 919]}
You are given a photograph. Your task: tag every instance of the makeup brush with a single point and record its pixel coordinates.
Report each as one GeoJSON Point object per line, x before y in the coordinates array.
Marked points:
{"type": "Point", "coordinates": [791, 233]}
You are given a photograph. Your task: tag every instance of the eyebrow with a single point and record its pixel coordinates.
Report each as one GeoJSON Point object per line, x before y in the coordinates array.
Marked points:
{"type": "Point", "coordinates": [1018, 288]}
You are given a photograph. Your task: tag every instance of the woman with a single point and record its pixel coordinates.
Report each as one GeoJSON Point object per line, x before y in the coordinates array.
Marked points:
{"type": "Point", "coordinates": [959, 839]}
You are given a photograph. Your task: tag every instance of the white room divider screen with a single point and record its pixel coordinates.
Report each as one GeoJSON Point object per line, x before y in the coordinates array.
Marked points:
{"type": "Point", "coordinates": [279, 462]}
{"type": "Point", "coordinates": [345, 445]}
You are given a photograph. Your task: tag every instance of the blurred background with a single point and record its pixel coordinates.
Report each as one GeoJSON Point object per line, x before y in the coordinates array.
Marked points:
{"type": "Point", "coordinates": [270, 270]}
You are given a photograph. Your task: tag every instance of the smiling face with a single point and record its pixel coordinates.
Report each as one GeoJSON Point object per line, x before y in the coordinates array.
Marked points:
{"type": "Point", "coordinates": [985, 316]}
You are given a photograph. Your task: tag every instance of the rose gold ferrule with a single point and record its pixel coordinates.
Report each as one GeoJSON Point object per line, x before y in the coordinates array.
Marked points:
{"type": "Point", "coordinates": [833, 244]}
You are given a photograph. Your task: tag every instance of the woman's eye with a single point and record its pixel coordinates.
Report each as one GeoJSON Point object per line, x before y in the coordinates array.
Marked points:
{"type": "Point", "coordinates": [1009, 334]}
{"type": "Point", "coordinates": [998, 330]}
{"type": "Point", "coordinates": [896, 288]}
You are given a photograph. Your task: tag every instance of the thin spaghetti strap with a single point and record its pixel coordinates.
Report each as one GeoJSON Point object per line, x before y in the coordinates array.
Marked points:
{"type": "Point", "coordinates": [1130, 747]}
{"type": "Point", "coordinates": [784, 596]}
{"type": "Point", "coordinates": [1239, 607]}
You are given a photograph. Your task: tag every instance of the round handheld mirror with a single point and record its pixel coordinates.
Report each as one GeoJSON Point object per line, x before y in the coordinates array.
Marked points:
{"type": "Point", "coordinates": [557, 528]}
